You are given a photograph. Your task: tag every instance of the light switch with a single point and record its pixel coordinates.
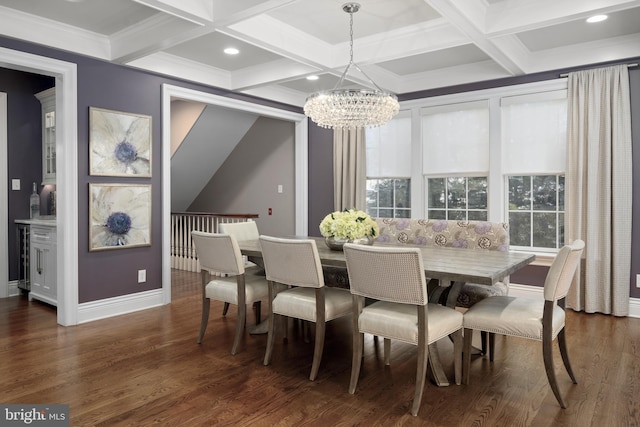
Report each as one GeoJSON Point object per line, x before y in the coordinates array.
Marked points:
{"type": "Point", "coordinates": [279, 188]}
{"type": "Point", "coordinates": [15, 184]}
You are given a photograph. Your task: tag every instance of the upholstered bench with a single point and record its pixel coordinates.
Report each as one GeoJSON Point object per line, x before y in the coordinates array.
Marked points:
{"type": "Point", "coordinates": [469, 235]}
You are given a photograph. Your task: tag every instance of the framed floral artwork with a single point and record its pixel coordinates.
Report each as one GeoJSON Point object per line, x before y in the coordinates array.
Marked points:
{"type": "Point", "coordinates": [119, 143]}
{"type": "Point", "coordinates": [119, 216]}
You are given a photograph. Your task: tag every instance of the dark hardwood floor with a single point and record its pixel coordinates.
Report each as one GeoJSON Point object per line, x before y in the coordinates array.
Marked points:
{"type": "Point", "coordinates": [146, 368]}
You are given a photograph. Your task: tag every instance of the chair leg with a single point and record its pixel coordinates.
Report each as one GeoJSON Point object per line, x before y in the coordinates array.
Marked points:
{"type": "Point", "coordinates": [240, 322]}
{"type": "Point", "coordinates": [548, 366]}
{"type": "Point", "coordinates": [387, 351]}
{"type": "Point", "coordinates": [270, 338]}
{"type": "Point", "coordinates": [466, 355]}
{"type": "Point", "coordinates": [356, 360]}
{"type": "Point", "coordinates": [225, 309]}
{"type": "Point", "coordinates": [457, 355]}
{"type": "Point", "coordinates": [205, 318]}
{"type": "Point", "coordinates": [317, 351]}
{"type": "Point", "coordinates": [483, 338]}
{"type": "Point", "coordinates": [562, 343]}
{"type": "Point", "coordinates": [257, 308]}
{"type": "Point", "coordinates": [492, 346]}
{"type": "Point", "coordinates": [421, 375]}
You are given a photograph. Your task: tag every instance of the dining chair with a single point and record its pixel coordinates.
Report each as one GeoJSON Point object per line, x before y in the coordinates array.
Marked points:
{"type": "Point", "coordinates": [536, 319]}
{"type": "Point", "coordinates": [296, 264]}
{"type": "Point", "coordinates": [242, 231]}
{"type": "Point", "coordinates": [220, 254]}
{"type": "Point", "coordinates": [394, 278]}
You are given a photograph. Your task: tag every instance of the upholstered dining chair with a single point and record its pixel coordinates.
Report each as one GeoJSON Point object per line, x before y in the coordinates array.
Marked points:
{"type": "Point", "coordinates": [394, 278]}
{"type": "Point", "coordinates": [219, 253]}
{"type": "Point", "coordinates": [245, 230]}
{"type": "Point", "coordinates": [296, 264]}
{"type": "Point", "coordinates": [537, 319]}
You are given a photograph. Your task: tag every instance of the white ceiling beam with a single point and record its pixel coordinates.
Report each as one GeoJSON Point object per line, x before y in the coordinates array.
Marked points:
{"type": "Point", "coordinates": [524, 15]}
{"type": "Point", "coordinates": [172, 65]}
{"type": "Point", "coordinates": [273, 72]}
{"type": "Point", "coordinates": [587, 53]}
{"type": "Point", "coordinates": [163, 31]}
{"type": "Point", "coordinates": [196, 11]}
{"type": "Point", "coordinates": [20, 25]}
{"type": "Point", "coordinates": [452, 76]}
{"type": "Point", "coordinates": [469, 17]}
{"type": "Point", "coordinates": [151, 36]}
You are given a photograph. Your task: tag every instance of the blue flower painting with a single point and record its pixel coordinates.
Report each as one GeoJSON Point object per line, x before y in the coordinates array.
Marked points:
{"type": "Point", "coordinates": [120, 143]}
{"type": "Point", "coordinates": [120, 216]}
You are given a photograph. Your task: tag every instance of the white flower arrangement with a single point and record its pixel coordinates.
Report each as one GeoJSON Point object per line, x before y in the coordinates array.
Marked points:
{"type": "Point", "coordinates": [349, 224]}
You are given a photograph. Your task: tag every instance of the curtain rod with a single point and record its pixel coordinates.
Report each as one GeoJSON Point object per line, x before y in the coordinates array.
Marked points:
{"type": "Point", "coordinates": [628, 66]}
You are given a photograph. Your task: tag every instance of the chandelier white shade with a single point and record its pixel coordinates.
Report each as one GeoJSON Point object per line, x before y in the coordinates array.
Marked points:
{"type": "Point", "coordinates": [348, 108]}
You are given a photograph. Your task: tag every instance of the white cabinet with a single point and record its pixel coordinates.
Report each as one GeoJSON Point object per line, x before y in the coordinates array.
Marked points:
{"type": "Point", "coordinates": [43, 264]}
{"type": "Point", "coordinates": [48, 100]}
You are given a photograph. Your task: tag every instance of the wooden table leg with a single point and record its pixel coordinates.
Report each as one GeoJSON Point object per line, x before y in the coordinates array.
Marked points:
{"type": "Point", "coordinates": [436, 293]}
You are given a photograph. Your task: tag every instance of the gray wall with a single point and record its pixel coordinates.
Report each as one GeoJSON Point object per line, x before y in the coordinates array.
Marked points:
{"type": "Point", "coordinates": [247, 181]}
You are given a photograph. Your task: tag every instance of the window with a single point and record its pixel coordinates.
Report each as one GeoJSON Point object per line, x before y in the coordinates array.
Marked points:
{"type": "Point", "coordinates": [389, 198]}
{"type": "Point", "coordinates": [458, 198]}
{"type": "Point", "coordinates": [534, 134]}
{"type": "Point", "coordinates": [536, 211]}
{"type": "Point", "coordinates": [496, 155]}
{"type": "Point", "coordinates": [389, 168]}
{"type": "Point", "coordinates": [455, 140]}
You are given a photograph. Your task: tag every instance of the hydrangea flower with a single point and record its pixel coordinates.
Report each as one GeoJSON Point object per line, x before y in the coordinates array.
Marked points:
{"type": "Point", "coordinates": [348, 224]}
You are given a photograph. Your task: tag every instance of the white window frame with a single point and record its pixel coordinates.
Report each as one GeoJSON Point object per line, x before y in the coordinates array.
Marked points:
{"type": "Point", "coordinates": [497, 189]}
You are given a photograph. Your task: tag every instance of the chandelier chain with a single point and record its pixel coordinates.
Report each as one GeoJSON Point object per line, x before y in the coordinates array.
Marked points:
{"type": "Point", "coordinates": [351, 38]}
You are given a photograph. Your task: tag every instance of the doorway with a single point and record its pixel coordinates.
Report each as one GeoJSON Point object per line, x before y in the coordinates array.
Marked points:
{"type": "Point", "coordinates": [170, 93]}
{"type": "Point", "coordinates": [65, 74]}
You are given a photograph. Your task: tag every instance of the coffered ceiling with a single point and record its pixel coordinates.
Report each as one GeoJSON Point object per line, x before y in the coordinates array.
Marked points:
{"type": "Point", "coordinates": [403, 45]}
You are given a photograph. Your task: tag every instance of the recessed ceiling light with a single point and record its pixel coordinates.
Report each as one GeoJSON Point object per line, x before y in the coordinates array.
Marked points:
{"type": "Point", "coordinates": [596, 18]}
{"type": "Point", "coordinates": [231, 51]}
{"type": "Point", "coordinates": [314, 77]}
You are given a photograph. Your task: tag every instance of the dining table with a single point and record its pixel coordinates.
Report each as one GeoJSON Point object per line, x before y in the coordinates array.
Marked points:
{"type": "Point", "coordinates": [446, 270]}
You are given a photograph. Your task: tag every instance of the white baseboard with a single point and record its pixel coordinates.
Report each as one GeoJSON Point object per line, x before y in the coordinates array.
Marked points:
{"type": "Point", "coordinates": [527, 291]}
{"type": "Point", "coordinates": [109, 307]}
{"type": "Point", "coordinates": [634, 307]}
{"type": "Point", "coordinates": [13, 289]}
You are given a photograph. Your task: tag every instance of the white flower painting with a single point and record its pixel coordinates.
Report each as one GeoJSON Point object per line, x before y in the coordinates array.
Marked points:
{"type": "Point", "coordinates": [120, 216]}
{"type": "Point", "coordinates": [120, 143]}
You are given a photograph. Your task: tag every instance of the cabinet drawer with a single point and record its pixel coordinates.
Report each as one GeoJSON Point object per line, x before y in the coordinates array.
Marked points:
{"type": "Point", "coordinates": [43, 234]}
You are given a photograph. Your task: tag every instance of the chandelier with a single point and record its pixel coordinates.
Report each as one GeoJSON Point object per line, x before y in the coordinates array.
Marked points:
{"type": "Point", "coordinates": [344, 108]}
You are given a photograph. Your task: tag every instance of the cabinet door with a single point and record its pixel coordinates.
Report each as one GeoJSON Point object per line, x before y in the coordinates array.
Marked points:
{"type": "Point", "coordinates": [48, 100]}
{"type": "Point", "coordinates": [37, 269]}
{"type": "Point", "coordinates": [43, 265]}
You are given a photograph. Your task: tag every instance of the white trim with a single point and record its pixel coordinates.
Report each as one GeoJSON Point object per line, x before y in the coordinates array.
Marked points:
{"type": "Point", "coordinates": [109, 307]}
{"type": "Point", "coordinates": [634, 307]}
{"type": "Point", "coordinates": [13, 289]}
{"type": "Point", "coordinates": [67, 170]}
{"type": "Point", "coordinates": [4, 197]}
{"type": "Point", "coordinates": [301, 160]}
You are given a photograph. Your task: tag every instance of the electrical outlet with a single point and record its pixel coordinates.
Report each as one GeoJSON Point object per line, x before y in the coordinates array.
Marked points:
{"type": "Point", "coordinates": [142, 276]}
{"type": "Point", "coordinates": [637, 280]}
{"type": "Point", "coordinates": [15, 184]}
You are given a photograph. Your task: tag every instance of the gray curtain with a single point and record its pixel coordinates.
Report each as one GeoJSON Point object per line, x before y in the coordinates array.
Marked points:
{"type": "Point", "coordinates": [349, 169]}
{"type": "Point", "coordinates": [599, 194]}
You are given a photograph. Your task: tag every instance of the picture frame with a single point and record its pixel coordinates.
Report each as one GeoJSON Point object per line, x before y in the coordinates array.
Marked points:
{"type": "Point", "coordinates": [119, 216]}
{"type": "Point", "coordinates": [119, 143]}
